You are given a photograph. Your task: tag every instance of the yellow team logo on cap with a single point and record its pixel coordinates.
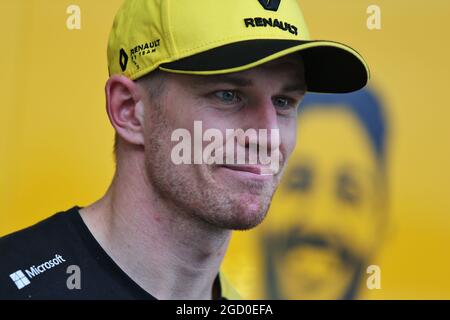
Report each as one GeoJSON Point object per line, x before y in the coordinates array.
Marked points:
{"type": "Point", "coordinates": [270, 4]}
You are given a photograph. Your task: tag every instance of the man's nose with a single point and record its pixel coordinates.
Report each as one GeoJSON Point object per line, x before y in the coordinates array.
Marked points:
{"type": "Point", "coordinates": [263, 116]}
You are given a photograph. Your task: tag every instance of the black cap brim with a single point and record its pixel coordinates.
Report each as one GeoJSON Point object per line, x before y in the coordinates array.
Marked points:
{"type": "Point", "coordinates": [330, 67]}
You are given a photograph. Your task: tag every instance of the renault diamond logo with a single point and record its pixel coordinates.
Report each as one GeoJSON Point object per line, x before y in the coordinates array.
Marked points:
{"type": "Point", "coordinates": [123, 60]}
{"type": "Point", "coordinates": [271, 5]}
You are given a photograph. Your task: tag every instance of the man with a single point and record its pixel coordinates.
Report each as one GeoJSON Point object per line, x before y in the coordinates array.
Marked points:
{"type": "Point", "coordinates": [329, 215]}
{"type": "Point", "coordinates": [162, 228]}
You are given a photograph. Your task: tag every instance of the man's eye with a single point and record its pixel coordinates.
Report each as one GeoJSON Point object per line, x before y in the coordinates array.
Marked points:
{"type": "Point", "coordinates": [227, 96]}
{"type": "Point", "coordinates": [348, 189]}
{"type": "Point", "coordinates": [283, 103]}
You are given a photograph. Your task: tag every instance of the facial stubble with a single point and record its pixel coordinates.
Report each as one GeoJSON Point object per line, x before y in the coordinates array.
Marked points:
{"type": "Point", "coordinates": [195, 190]}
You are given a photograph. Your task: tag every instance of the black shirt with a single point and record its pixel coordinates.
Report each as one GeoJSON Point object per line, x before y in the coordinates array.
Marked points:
{"type": "Point", "coordinates": [59, 258]}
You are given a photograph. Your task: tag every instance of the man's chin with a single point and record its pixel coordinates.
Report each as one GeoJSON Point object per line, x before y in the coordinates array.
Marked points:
{"type": "Point", "coordinates": [250, 211]}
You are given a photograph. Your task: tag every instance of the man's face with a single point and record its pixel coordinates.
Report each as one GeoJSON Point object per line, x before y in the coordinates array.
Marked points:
{"type": "Point", "coordinates": [326, 215]}
{"type": "Point", "coordinates": [227, 197]}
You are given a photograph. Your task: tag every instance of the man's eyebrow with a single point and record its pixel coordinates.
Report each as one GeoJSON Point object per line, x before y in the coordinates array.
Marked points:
{"type": "Point", "coordinates": [225, 79]}
{"type": "Point", "coordinates": [300, 87]}
{"type": "Point", "coordinates": [239, 81]}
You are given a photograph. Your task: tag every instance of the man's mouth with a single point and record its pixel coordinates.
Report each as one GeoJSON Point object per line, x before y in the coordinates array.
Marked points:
{"type": "Point", "coordinates": [257, 170]}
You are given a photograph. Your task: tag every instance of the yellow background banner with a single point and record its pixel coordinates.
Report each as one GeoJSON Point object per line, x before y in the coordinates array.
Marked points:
{"type": "Point", "coordinates": [56, 150]}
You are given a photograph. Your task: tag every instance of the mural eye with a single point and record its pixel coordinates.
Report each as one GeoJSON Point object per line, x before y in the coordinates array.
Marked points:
{"type": "Point", "coordinates": [348, 189]}
{"type": "Point", "coordinates": [300, 179]}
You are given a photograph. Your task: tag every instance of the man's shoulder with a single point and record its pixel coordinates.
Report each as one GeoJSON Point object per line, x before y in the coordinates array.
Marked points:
{"type": "Point", "coordinates": [31, 251]}
{"type": "Point", "coordinates": [41, 234]}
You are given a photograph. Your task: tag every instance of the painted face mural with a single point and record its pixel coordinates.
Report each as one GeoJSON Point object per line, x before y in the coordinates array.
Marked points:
{"type": "Point", "coordinates": [328, 215]}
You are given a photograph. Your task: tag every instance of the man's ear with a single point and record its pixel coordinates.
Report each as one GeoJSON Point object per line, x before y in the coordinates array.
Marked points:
{"type": "Point", "coordinates": [125, 108]}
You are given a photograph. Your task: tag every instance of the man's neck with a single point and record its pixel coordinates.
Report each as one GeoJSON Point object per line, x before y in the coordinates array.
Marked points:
{"type": "Point", "coordinates": [168, 253]}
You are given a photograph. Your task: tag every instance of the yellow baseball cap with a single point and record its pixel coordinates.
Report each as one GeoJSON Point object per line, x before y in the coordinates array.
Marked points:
{"type": "Point", "coordinates": [206, 37]}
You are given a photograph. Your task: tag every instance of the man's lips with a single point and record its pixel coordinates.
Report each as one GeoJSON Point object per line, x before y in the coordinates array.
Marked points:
{"type": "Point", "coordinates": [259, 170]}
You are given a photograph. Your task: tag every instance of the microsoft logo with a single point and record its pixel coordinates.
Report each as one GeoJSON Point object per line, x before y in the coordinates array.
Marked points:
{"type": "Point", "coordinates": [19, 279]}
